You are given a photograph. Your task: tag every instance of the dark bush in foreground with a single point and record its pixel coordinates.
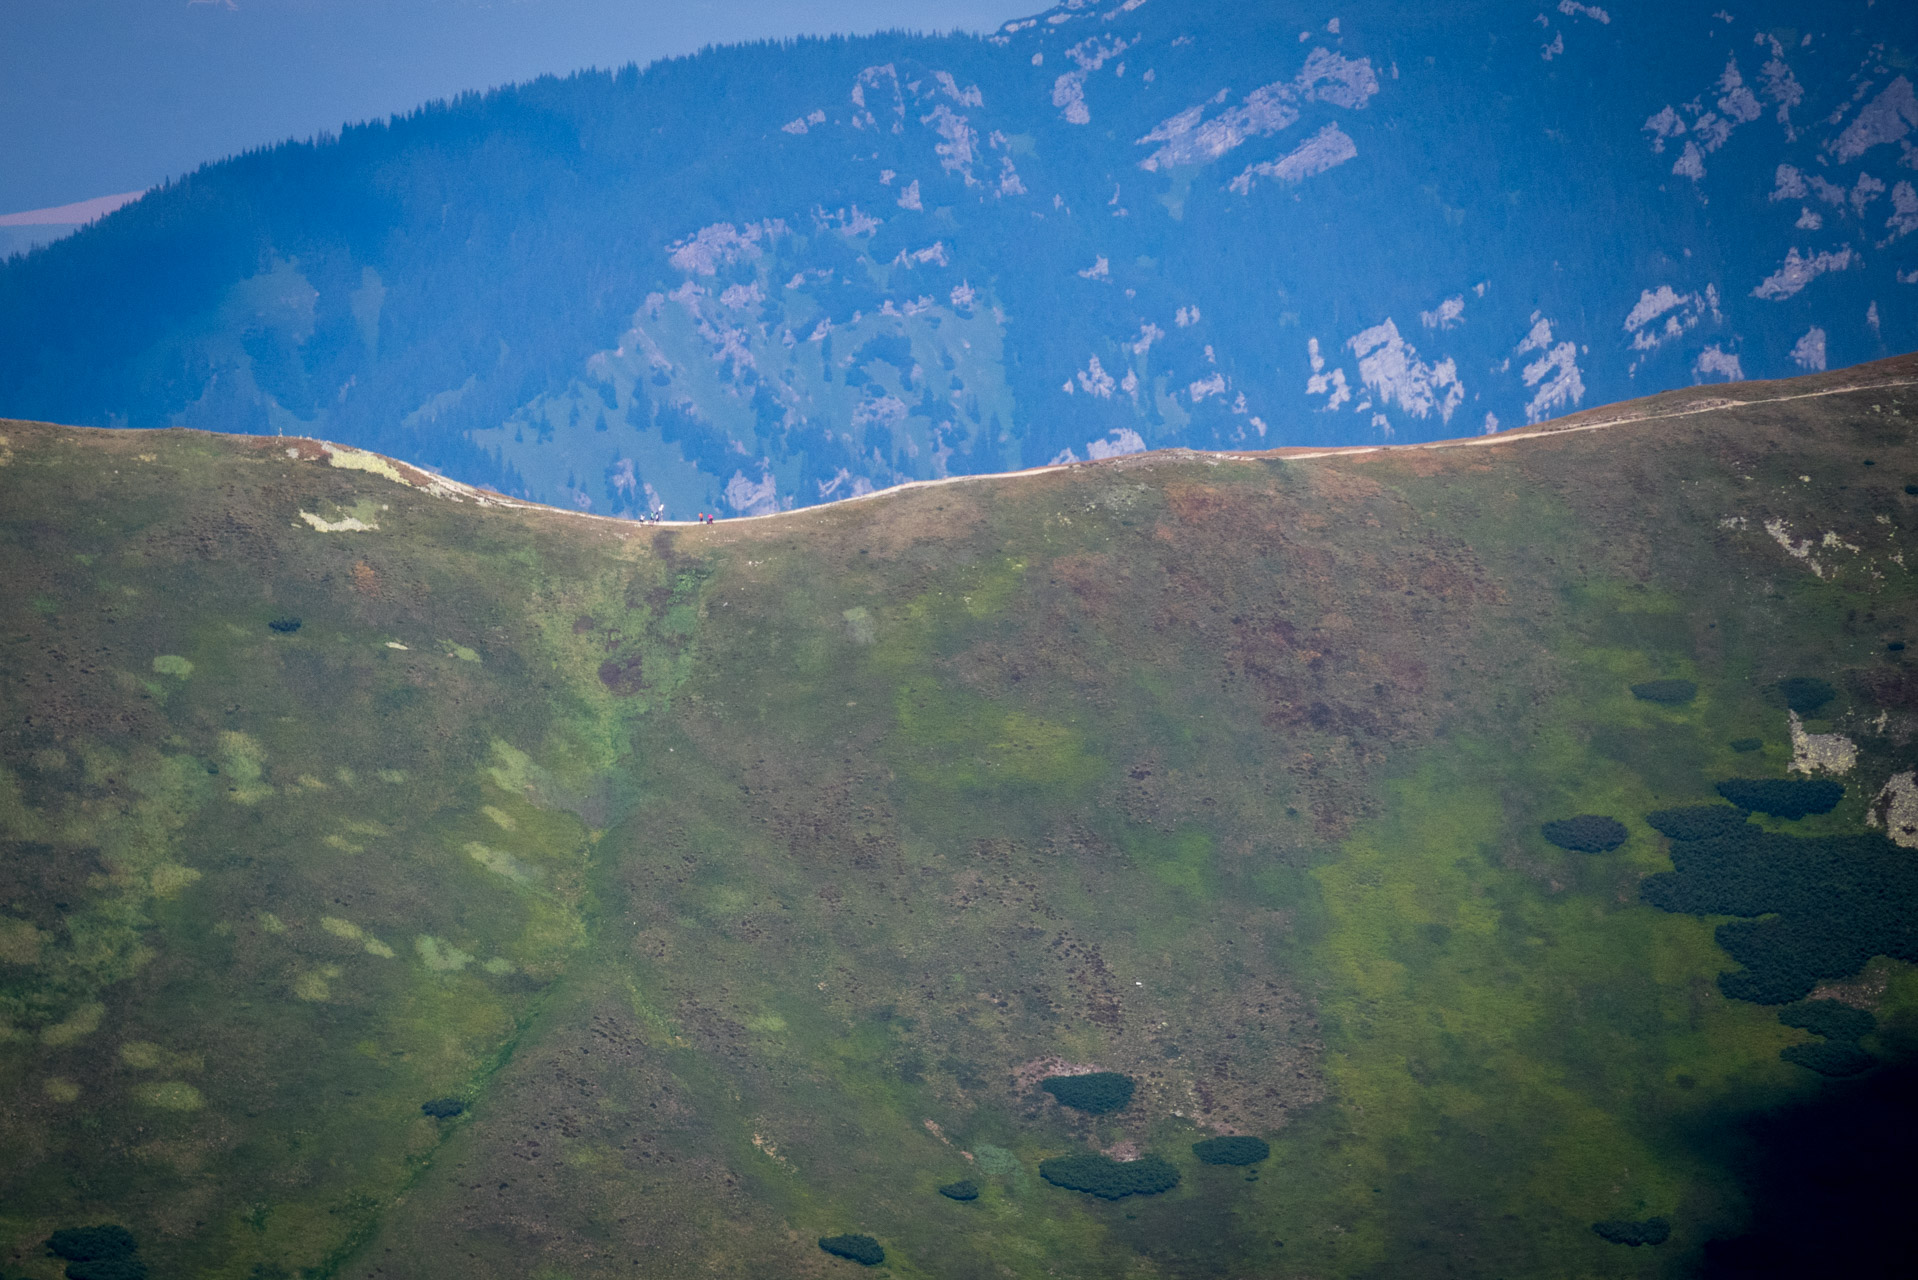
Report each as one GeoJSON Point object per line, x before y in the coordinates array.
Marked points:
{"type": "Point", "coordinates": [285, 626]}
{"type": "Point", "coordinates": [1097, 1094]}
{"type": "Point", "coordinates": [98, 1253]}
{"type": "Point", "coordinates": [108, 1269]}
{"type": "Point", "coordinates": [1235, 1150]}
{"type": "Point", "coordinates": [443, 1108]}
{"type": "Point", "coordinates": [1625, 1231]}
{"type": "Point", "coordinates": [1805, 694]}
{"type": "Point", "coordinates": [861, 1249]}
{"type": "Point", "coordinates": [1783, 797]}
{"type": "Point", "coordinates": [1587, 833]}
{"type": "Point", "coordinates": [1828, 1058]}
{"type": "Point", "coordinates": [964, 1189]}
{"type": "Point", "coordinates": [1816, 908]}
{"type": "Point", "coordinates": [1698, 822]}
{"type": "Point", "coordinates": [1110, 1179]}
{"type": "Point", "coordinates": [89, 1244]}
{"type": "Point", "coordinates": [1669, 692]}
{"type": "Point", "coordinates": [1830, 1019]}
{"type": "Point", "coordinates": [1742, 745]}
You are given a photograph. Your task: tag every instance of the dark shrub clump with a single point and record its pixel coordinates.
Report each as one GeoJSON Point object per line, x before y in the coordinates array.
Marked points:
{"type": "Point", "coordinates": [1830, 1019]}
{"type": "Point", "coordinates": [1625, 1231]}
{"type": "Point", "coordinates": [87, 1244]}
{"type": "Point", "coordinates": [1742, 745]}
{"type": "Point", "coordinates": [1814, 908]}
{"type": "Point", "coordinates": [1669, 692]}
{"type": "Point", "coordinates": [1828, 1058]}
{"type": "Point", "coordinates": [861, 1249]}
{"type": "Point", "coordinates": [1783, 797]}
{"type": "Point", "coordinates": [285, 626]}
{"type": "Point", "coordinates": [965, 1189]}
{"type": "Point", "coordinates": [98, 1253]}
{"type": "Point", "coordinates": [1841, 1026]}
{"type": "Point", "coordinates": [1698, 822]}
{"type": "Point", "coordinates": [1110, 1179]}
{"type": "Point", "coordinates": [1805, 694]}
{"type": "Point", "coordinates": [1236, 1150]}
{"type": "Point", "coordinates": [1097, 1094]}
{"type": "Point", "coordinates": [443, 1108]}
{"type": "Point", "coordinates": [1587, 833]}
{"type": "Point", "coordinates": [108, 1269]}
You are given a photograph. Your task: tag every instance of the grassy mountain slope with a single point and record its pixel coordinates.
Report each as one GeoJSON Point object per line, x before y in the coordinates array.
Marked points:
{"type": "Point", "coordinates": [742, 882]}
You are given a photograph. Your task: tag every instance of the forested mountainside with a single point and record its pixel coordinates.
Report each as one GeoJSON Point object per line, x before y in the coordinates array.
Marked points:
{"type": "Point", "coordinates": [770, 276]}
{"type": "Point", "coordinates": [1493, 859]}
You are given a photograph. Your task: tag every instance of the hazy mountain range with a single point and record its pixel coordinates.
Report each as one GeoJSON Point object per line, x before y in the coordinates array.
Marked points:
{"type": "Point", "coordinates": [398, 882]}
{"type": "Point", "coordinates": [772, 275]}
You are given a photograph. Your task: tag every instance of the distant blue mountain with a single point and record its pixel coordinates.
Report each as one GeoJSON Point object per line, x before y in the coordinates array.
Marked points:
{"type": "Point", "coordinates": [774, 275]}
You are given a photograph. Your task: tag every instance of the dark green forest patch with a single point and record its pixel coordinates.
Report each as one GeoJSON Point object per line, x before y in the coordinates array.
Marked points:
{"type": "Point", "coordinates": [1783, 797]}
{"type": "Point", "coordinates": [1096, 1093]}
{"type": "Point", "coordinates": [1813, 908]}
{"type": "Point", "coordinates": [1235, 1150]}
{"type": "Point", "coordinates": [1587, 833]}
{"type": "Point", "coordinates": [1806, 694]}
{"type": "Point", "coordinates": [1110, 1179]}
{"type": "Point", "coordinates": [1672, 693]}
{"type": "Point", "coordinates": [864, 1250]}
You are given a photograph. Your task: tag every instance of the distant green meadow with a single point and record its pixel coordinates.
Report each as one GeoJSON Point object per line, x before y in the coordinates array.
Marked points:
{"type": "Point", "coordinates": [1171, 866]}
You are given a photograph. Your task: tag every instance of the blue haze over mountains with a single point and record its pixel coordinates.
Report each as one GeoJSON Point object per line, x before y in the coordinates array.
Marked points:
{"type": "Point", "coordinates": [773, 275]}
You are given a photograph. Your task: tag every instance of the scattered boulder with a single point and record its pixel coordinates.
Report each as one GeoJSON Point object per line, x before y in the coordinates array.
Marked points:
{"type": "Point", "coordinates": [1587, 833]}
{"type": "Point", "coordinates": [1232, 1150]}
{"type": "Point", "coordinates": [864, 1250]}
{"type": "Point", "coordinates": [1670, 692]}
{"type": "Point", "coordinates": [1110, 1179]}
{"type": "Point", "coordinates": [1097, 1093]}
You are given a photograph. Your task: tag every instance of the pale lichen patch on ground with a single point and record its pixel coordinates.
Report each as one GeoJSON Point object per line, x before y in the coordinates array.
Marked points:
{"type": "Point", "coordinates": [19, 942]}
{"type": "Point", "coordinates": [346, 524]}
{"type": "Point", "coordinates": [145, 1055]}
{"type": "Point", "coordinates": [169, 1095]}
{"type": "Point", "coordinates": [441, 957]}
{"type": "Point", "coordinates": [1820, 752]}
{"type": "Point", "coordinates": [347, 931]}
{"type": "Point", "coordinates": [80, 1024]}
{"type": "Point", "coordinates": [167, 879]}
{"type": "Point", "coordinates": [1797, 550]}
{"type": "Point", "coordinates": [316, 985]}
{"type": "Point", "coordinates": [499, 862]}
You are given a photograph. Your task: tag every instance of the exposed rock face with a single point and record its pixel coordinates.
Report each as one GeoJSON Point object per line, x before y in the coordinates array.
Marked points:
{"type": "Point", "coordinates": [772, 277]}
